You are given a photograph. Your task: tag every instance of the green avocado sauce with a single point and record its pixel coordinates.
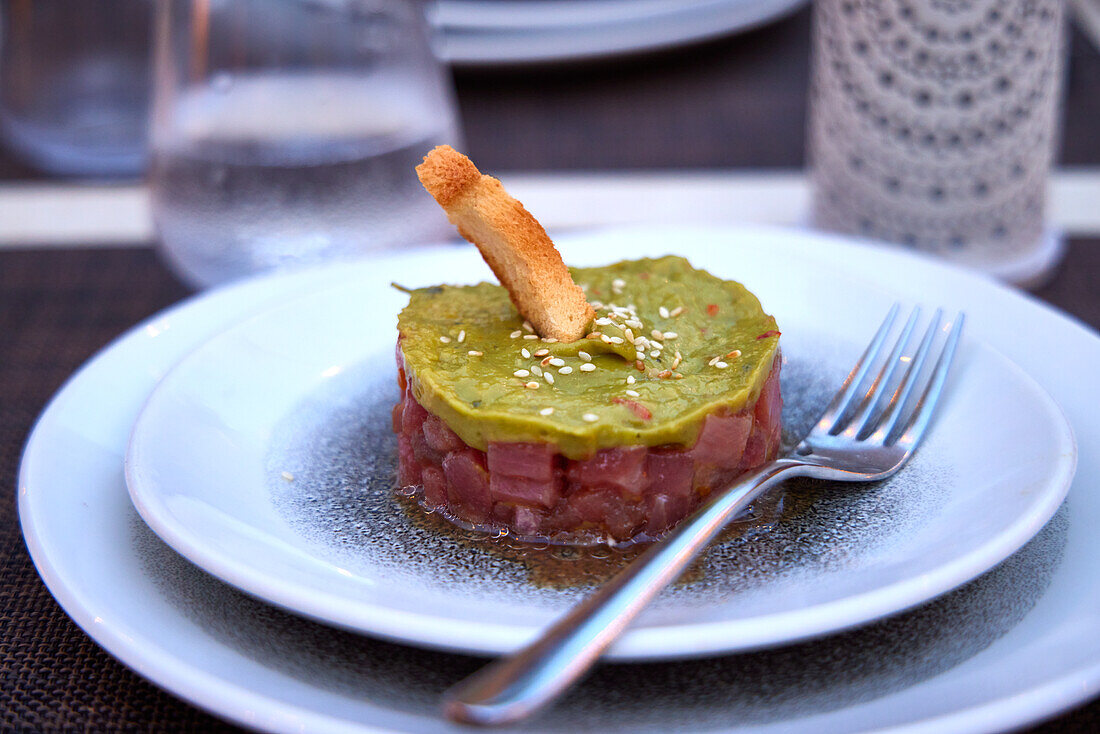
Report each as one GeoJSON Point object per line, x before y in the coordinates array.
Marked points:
{"type": "Point", "coordinates": [482, 400]}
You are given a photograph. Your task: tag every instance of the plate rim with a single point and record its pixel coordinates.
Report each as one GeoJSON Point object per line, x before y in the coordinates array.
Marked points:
{"type": "Point", "coordinates": [213, 692]}
{"type": "Point", "coordinates": [649, 643]}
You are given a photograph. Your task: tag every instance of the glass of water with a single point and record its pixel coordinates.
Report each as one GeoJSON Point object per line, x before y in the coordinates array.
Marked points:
{"type": "Point", "coordinates": [286, 132]}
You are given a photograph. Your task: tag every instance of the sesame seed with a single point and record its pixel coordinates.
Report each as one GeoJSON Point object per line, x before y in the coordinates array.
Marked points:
{"type": "Point", "coordinates": [550, 340]}
{"type": "Point", "coordinates": [713, 361]}
{"type": "Point", "coordinates": [546, 411]}
{"type": "Point", "coordinates": [615, 340]}
{"type": "Point", "coordinates": [531, 337]}
{"type": "Point", "coordinates": [596, 304]}
{"type": "Point", "coordinates": [522, 373]}
{"type": "Point", "coordinates": [526, 354]}
{"type": "Point", "coordinates": [664, 374]}
{"type": "Point", "coordinates": [475, 353]}
{"type": "Point", "coordinates": [734, 354]}
{"type": "Point", "coordinates": [639, 355]}
{"type": "Point", "coordinates": [676, 311]}
{"type": "Point", "coordinates": [657, 334]}
{"type": "Point", "coordinates": [671, 335]}
{"type": "Point", "coordinates": [664, 312]}
{"type": "Point", "coordinates": [606, 339]}
{"type": "Point", "coordinates": [721, 365]}
{"type": "Point", "coordinates": [656, 344]}
{"type": "Point", "coordinates": [288, 476]}
{"type": "Point", "coordinates": [655, 353]}
{"type": "Point", "coordinates": [565, 370]}
{"type": "Point", "coordinates": [542, 352]}
{"type": "Point", "coordinates": [549, 377]}
{"type": "Point", "coordinates": [630, 380]}
{"type": "Point", "coordinates": [639, 366]}
{"type": "Point", "coordinates": [641, 342]}
{"type": "Point", "coordinates": [545, 361]}
{"type": "Point", "coordinates": [445, 339]}
{"type": "Point", "coordinates": [587, 367]}
{"type": "Point", "coordinates": [634, 323]}
{"type": "Point", "coordinates": [527, 326]}
{"type": "Point", "coordinates": [590, 417]}
{"type": "Point", "coordinates": [461, 336]}
{"type": "Point", "coordinates": [532, 385]}
{"type": "Point", "coordinates": [618, 283]}
{"type": "Point", "coordinates": [603, 321]}
{"type": "Point", "coordinates": [594, 335]}
{"type": "Point", "coordinates": [585, 356]}
{"type": "Point", "coordinates": [629, 335]}
{"type": "Point", "coordinates": [557, 361]}
{"type": "Point", "coordinates": [536, 370]}
{"type": "Point", "coordinates": [677, 376]}
{"type": "Point", "coordinates": [633, 393]}
{"type": "Point", "coordinates": [515, 334]}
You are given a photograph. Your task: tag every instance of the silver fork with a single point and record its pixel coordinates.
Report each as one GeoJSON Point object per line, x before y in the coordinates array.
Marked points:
{"type": "Point", "coordinates": [867, 433]}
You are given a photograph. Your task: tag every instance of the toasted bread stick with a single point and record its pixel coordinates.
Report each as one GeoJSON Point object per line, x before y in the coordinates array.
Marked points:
{"type": "Point", "coordinates": [512, 242]}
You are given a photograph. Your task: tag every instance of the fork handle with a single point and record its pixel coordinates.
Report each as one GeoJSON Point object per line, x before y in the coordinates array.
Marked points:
{"type": "Point", "coordinates": [513, 687]}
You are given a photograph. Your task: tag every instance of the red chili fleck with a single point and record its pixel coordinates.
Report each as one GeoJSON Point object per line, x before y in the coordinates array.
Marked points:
{"type": "Point", "coordinates": [636, 408]}
{"type": "Point", "coordinates": [766, 334]}
{"type": "Point", "coordinates": [712, 309]}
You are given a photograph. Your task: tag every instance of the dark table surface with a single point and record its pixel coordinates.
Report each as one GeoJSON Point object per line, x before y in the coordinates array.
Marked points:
{"type": "Point", "coordinates": [680, 109]}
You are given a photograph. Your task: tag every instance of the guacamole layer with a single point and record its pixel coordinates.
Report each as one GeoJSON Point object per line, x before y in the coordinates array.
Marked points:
{"type": "Point", "coordinates": [670, 345]}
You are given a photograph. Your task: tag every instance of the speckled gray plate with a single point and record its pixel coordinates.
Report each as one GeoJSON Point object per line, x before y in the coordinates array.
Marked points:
{"type": "Point", "coordinates": [1019, 643]}
{"type": "Point", "coordinates": [266, 457]}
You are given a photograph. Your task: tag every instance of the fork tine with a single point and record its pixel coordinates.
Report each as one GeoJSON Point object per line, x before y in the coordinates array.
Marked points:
{"type": "Point", "coordinates": [829, 420]}
{"type": "Point", "coordinates": [927, 405]}
{"type": "Point", "coordinates": [893, 412]}
{"type": "Point", "coordinates": [871, 412]}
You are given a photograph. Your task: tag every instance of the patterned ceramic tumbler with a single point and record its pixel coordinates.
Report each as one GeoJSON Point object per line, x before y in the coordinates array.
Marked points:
{"type": "Point", "coordinates": [933, 124]}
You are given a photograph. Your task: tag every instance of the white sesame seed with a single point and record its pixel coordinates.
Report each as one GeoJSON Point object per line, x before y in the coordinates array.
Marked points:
{"type": "Point", "coordinates": [615, 340]}
{"type": "Point", "coordinates": [634, 323]}
{"type": "Point", "coordinates": [639, 355]}
{"type": "Point", "coordinates": [550, 340]}
{"type": "Point", "coordinates": [546, 411]}
{"type": "Point", "coordinates": [526, 354]}
{"type": "Point", "coordinates": [565, 370]}
{"type": "Point", "coordinates": [664, 312]}
{"type": "Point", "coordinates": [549, 377]}
{"type": "Point", "coordinates": [530, 337]}
{"type": "Point", "coordinates": [542, 352]}
{"type": "Point", "coordinates": [288, 476]}
{"type": "Point", "coordinates": [515, 334]}
{"type": "Point", "coordinates": [629, 335]}
{"type": "Point", "coordinates": [557, 361]}
{"type": "Point", "coordinates": [721, 365]}
{"type": "Point", "coordinates": [606, 339]}
{"type": "Point", "coordinates": [714, 361]}
{"type": "Point", "coordinates": [587, 367]}
{"type": "Point", "coordinates": [656, 344]}
{"type": "Point", "coordinates": [532, 385]}
{"type": "Point", "coordinates": [676, 311]}
{"type": "Point", "coordinates": [641, 342]}
{"type": "Point", "coordinates": [603, 321]}
{"type": "Point", "coordinates": [536, 370]}
{"type": "Point", "coordinates": [461, 336]}
{"type": "Point", "coordinates": [671, 335]}
{"type": "Point", "coordinates": [655, 353]}
{"type": "Point", "coordinates": [596, 304]}
{"type": "Point", "coordinates": [527, 326]}
{"type": "Point", "coordinates": [590, 417]}
{"type": "Point", "coordinates": [475, 353]}
{"type": "Point", "coordinates": [445, 339]}
{"type": "Point", "coordinates": [585, 356]}
{"type": "Point", "coordinates": [657, 334]}
{"type": "Point", "coordinates": [633, 393]}
{"type": "Point", "coordinates": [521, 373]}
{"type": "Point", "coordinates": [630, 380]}
{"type": "Point", "coordinates": [618, 283]}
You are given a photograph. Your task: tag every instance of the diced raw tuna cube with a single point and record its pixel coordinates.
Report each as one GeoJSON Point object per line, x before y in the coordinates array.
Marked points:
{"type": "Point", "coordinates": [663, 511]}
{"type": "Point", "coordinates": [395, 416]}
{"type": "Point", "coordinates": [523, 491]}
{"type": "Point", "coordinates": [468, 485]}
{"type": "Point", "coordinates": [435, 486]}
{"type": "Point", "coordinates": [722, 440]}
{"type": "Point", "coordinates": [413, 416]}
{"type": "Point", "coordinates": [528, 460]}
{"type": "Point", "coordinates": [408, 468]}
{"type": "Point", "coordinates": [607, 508]}
{"type": "Point", "coordinates": [670, 473]}
{"type": "Point", "coordinates": [440, 437]}
{"type": "Point", "coordinates": [623, 468]}
{"type": "Point", "coordinates": [527, 521]}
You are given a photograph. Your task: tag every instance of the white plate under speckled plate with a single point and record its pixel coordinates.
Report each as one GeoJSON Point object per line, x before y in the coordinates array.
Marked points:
{"type": "Point", "coordinates": [305, 389]}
